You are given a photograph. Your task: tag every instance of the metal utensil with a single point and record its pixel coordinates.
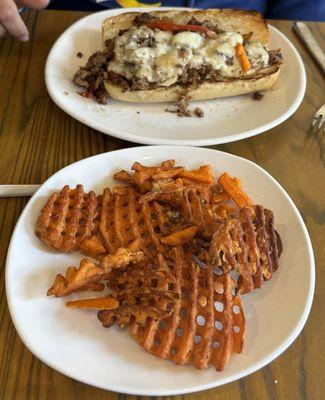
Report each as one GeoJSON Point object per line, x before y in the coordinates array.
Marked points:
{"type": "Point", "coordinates": [18, 190]}
{"type": "Point", "coordinates": [319, 119]}
{"type": "Point", "coordinates": [311, 43]}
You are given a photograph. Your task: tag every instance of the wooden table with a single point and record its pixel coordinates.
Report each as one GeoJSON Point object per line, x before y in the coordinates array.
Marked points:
{"type": "Point", "coordinates": [37, 139]}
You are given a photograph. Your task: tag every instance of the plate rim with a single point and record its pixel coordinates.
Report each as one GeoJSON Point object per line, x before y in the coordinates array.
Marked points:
{"type": "Point", "coordinates": [253, 368]}
{"type": "Point", "coordinates": [163, 141]}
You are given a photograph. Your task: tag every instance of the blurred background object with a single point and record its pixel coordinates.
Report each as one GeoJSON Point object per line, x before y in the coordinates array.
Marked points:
{"type": "Point", "coordinates": [303, 10]}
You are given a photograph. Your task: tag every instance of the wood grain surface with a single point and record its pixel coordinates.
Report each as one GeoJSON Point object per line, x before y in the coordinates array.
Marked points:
{"type": "Point", "coordinates": [37, 139]}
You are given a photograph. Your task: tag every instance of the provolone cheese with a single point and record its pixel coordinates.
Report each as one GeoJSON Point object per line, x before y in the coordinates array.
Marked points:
{"type": "Point", "coordinates": [161, 57]}
{"type": "Point", "coordinates": [191, 40]}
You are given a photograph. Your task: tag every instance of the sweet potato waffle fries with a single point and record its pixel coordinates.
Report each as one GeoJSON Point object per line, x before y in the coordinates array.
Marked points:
{"type": "Point", "coordinates": [175, 250]}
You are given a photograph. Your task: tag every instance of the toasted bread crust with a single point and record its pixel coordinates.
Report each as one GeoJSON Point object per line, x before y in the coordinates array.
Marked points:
{"type": "Point", "coordinates": [205, 91]}
{"type": "Point", "coordinates": [241, 21]}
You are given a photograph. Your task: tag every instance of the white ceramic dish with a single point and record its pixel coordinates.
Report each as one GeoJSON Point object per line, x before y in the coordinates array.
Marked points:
{"type": "Point", "coordinates": [225, 120]}
{"type": "Point", "coordinates": [74, 342]}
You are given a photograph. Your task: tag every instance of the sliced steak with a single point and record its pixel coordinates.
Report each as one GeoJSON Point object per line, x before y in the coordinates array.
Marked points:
{"type": "Point", "coordinates": [195, 76]}
{"type": "Point", "coordinates": [207, 24]}
{"type": "Point", "coordinates": [143, 19]}
{"type": "Point", "coordinates": [93, 74]}
{"type": "Point", "coordinates": [275, 57]}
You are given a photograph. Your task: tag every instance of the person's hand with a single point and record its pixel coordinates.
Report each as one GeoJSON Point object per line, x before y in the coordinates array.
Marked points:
{"type": "Point", "coordinates": [10, 20]}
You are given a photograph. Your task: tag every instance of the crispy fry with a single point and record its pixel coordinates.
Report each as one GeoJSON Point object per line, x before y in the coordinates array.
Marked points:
{"type": "Point", "coordinates": [91, 287]}
{"type": "Point", "coordinates": [93, 247]}
{"type": "Point", "coordinates": [168, 164]}
{"type": "Point", "coordinates": [171, 173]}
{"type": "Point", "coordinates": [143, 177]}
{"type": "Point", "coordinates": [138, 180]}
{"type": "Point", "coordinates": [181, 237]}
{"type": "Point", "coordinates": [121, 258]}
{"type": "Point", "coordinates": [88, 272]}
{"type": "Point", "coordinates": [76, 278]}
{"type": "Point", "coordinates": [223, 210]}
{"type": "Point", "coordinates": [119, 190]}
{"type": "Point", "coordinates": [134, 246]}
{"type": "Point", "coordinates": [203, 174]}
{"type": "Point", "coordinates": [107, 318]}
{"type": "Point", "coordinates": [123, 176]}
{"type": "Point", "coordinates": [233, 188]}
{"type": "Point", "coordinates": [166, 242]}
{"type": "Point", "coordinates": [203, 189]}
{"type": "Point", "coordinates": [221, 197]}
{"type": "Point", "coordinates": [168, 196]}
{"type": "Point", "coordinates": [101, 303]}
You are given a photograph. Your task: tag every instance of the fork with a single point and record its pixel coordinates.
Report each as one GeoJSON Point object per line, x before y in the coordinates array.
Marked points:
{"type": "Point", "coordinates": [319, 119]}
{"type": "Point", "coordinates": [314, 143]}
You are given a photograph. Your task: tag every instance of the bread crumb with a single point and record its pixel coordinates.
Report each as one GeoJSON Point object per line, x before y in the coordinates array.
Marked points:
{"type": "Point", "coordinates": [183, 109]}
{"type": "Point", "coordinates": [257, 96]}
{"type": "Point", "coordinates": [199, 112]}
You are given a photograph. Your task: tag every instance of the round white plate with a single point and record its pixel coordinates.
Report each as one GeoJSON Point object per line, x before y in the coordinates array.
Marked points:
{"type": "Point", "coordinates": [225, 120]}
{"type": "Point", "coordinates": [74, 342]}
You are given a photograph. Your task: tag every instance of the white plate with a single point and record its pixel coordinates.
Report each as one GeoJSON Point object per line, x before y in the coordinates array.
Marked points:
{"type": "Point", "coordinates": [225, 120]}
{"type": "Point", "coordinates": [74, 342]}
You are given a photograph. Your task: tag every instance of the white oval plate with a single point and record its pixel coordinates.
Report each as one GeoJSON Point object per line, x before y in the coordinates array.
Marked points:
{"type": "Point", "coordinates": [74, 342]}
{"type": "Point", "coordinates": [225, 120]}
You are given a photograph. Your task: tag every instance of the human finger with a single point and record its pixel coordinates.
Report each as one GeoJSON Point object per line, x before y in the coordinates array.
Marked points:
{"type": "Point", "coordinates": [11, 20]}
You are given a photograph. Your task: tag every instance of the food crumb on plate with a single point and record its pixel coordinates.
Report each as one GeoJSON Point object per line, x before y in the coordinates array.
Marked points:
{"type": "Point", "coordinates": [198, 112]}
{"type": "Point", "coordinates": [257, 96]}
{"type": "Point", "coordinates": [79, 54]}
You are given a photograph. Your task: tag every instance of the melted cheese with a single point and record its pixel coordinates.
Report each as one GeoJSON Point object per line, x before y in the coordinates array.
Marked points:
{"type": "Point", "coordinates": [257, 54]}
{"type": "Point", "coordinates": [189, 40]}
{"type": "Point", "coordinates": [161, 57]}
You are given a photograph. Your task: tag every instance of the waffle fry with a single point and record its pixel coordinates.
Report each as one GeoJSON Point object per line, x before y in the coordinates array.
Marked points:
{"type": "Point", "coordinates": [250, 245]}
{"type": "Point", "coordinates": [145, 290]}
{"type": "Point", "coordinates": [138, 294]}
{"type": "Point", "coordinates": [124, 221]}
{"type": "Point", "coordinates": [93, 246]}
{"type": "Point", "coordinates": [152, 274]}
{"type": "Point", "coordinates": [144, 303]}
{"type": "Point", "coordinates": [165, 245]}
{"type": "Point", "coordinates": [203, 328]}
{"type": "Point", "coordinates": [68, 218]}
{"type": "Point", "coordinates": [180, 238]}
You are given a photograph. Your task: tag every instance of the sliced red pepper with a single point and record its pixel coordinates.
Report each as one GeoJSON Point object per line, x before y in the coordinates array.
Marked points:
{"type": "Point", "coordinates": [89, 93]}
{"type": "Point", "coordinates": [170, 26]}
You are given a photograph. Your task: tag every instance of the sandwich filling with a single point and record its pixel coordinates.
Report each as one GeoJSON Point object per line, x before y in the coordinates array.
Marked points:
{"type": "Point", "coordinates": [161, 57]}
